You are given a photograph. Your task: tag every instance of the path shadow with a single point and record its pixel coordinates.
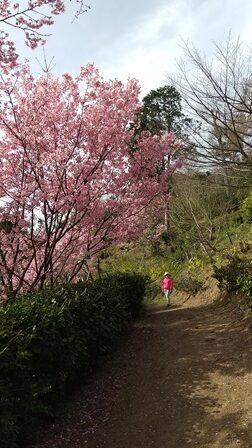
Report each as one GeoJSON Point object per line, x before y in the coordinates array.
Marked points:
{"type": "Point", "coordinates": [210, 377]}
{"type": "Point", "coordinates": [154, 309]}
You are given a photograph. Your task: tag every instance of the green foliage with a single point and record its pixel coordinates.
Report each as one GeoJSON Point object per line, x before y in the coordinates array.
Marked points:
{"type": "Point", "coordinates": [231, 268]}
{"type": "Point", "coordinates": [54, 337]}
{"type": "Point", "coordinates": [189, 280]}
{"type": "Point", "coordinates": [140, 259]}
{"type": "Point", "coordinates": [153, 290]}
{"type": "Point", "coordinates": [189, 284]}
{"type": "Point", "coordinates": [162, 111]}
{"type": "Point", "coordinates": [246, 207]}
{"type": "Point", "coordinates": [227, 275]}
{"type": "Point", "coordinates": [244, 283]}
{"type": "Point", "coordinates": [205, 217]}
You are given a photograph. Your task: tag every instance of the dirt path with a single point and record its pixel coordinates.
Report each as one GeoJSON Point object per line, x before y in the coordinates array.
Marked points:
{"type": "Point", "coordinates": [182, 379]}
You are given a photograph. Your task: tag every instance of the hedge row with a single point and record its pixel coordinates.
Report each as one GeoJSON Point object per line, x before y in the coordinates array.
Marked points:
{"type": "Point", "coordinates": [53, 338]}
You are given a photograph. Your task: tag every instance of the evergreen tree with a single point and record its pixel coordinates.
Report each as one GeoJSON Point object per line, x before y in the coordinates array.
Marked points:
{"type": "Point", "coordinates": [162, 112]}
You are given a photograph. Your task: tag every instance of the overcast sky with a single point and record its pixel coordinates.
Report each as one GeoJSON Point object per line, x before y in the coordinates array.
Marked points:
{"type": "Point", "coordinates": [141, 38]}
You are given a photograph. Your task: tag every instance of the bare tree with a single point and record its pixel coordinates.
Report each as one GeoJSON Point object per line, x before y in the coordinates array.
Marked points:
{"type": "Point", "coordinates": [199, 213]}
{"type": "Point", "coordinates": [218, 93]}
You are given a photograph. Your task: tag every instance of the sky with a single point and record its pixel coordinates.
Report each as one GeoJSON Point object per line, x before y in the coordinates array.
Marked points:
{"type": "Point", "coordinates": [140, 39]}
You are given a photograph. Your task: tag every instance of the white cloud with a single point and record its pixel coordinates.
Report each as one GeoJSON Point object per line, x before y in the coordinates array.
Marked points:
{"type": "Point", "coordinates": [143, 40]}
{"type": "Point", "coordinates": [148, 50]}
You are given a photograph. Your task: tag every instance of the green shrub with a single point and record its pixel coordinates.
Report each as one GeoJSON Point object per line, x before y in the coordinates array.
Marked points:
{"type": "Point", "coordinates": [52, 338]}
{"type": "Point", "coordinates": [230, 271]}
{"type": "Point", "coordinates": [189, 284]}
{"type": "Point", "coordinates": [246, 207]}
{"type": "Point", "coordinates": [244, 283]}
{"type": "Point", "coordinates": [153, 289]}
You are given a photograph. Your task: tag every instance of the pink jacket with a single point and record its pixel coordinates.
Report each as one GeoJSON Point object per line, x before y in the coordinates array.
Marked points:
{"type": "Point", "coordinates": [167, 283]}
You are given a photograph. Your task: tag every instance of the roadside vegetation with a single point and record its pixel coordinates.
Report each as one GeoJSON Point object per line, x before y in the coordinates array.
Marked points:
{"type": "Point", "coordinates": [51, 340]}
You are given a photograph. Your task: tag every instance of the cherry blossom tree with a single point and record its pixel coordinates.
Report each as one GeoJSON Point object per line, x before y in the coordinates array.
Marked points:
{"type": "Point", "coordinates": [30, 17]}
{"type": "Point", "coordinates": [70, 184]}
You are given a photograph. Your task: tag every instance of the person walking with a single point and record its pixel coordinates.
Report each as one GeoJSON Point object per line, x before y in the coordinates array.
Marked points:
{"type": "Point", "coordinates": [167, 287]}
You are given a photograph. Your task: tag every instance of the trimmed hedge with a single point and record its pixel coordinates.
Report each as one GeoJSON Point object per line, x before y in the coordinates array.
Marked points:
{"type": "Point", "coordinates": [52, 338]}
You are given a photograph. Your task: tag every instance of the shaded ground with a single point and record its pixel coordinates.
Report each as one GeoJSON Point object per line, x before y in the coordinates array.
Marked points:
{"type": "Point", "coordinates": [183, 378]}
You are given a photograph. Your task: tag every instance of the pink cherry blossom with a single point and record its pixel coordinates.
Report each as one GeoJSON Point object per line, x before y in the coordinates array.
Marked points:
{"type": "Point", "coordinates": [30, 17]}
{"type": "Point", "coordinates": [70, 185]}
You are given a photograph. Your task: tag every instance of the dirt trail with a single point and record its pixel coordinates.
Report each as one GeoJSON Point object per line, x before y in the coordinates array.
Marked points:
{"type": "Point", "coordinates": [183, 378]}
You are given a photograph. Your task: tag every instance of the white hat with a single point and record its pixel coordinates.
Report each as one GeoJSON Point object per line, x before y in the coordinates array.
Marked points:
{"type": "Point", "coordinates": [166, 273]}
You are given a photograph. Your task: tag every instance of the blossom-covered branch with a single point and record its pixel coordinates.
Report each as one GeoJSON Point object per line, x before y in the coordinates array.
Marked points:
{"type": "Point", "coordinates": [30, 17]}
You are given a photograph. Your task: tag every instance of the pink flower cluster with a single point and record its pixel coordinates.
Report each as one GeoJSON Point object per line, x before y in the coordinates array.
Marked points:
{"type": "Point", "coordinates": [29, 16]}
{"type": "Point", "coordinates": [69, 183]}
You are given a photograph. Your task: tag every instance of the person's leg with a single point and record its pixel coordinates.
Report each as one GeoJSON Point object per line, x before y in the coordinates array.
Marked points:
{"type": "Point", "coordinates": [168, 297]}
{"type": "Point", "coordinates": [166, 292]}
